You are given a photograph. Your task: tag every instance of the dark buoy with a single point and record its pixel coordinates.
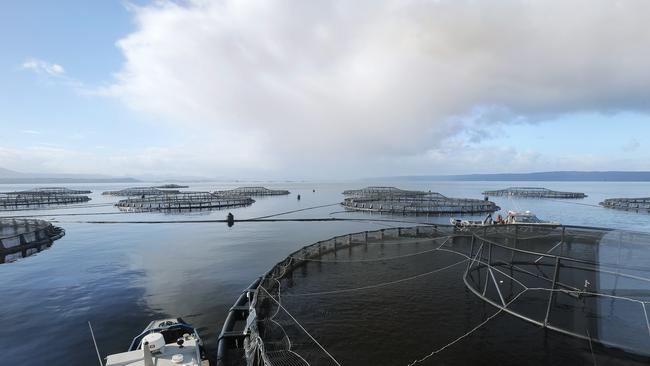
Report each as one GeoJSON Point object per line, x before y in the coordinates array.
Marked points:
{"type": "Point", "coordinates": [313, 190]}
{"type": "Point", "coordinates": [230, 219]}
{"type": "Point", "coordinates": [298, 197]}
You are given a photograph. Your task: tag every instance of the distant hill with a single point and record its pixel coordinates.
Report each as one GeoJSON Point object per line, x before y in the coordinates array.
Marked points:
{"type": "Point", "coordinates": [13, 177]}
{"type": "Point", "coordinates": [561, 176]}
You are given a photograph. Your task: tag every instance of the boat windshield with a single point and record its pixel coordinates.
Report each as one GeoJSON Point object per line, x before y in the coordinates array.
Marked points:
{"type": "Point", "coordinates": [526, 218]}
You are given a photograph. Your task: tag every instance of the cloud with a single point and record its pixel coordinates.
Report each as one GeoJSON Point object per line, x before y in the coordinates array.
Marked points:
{"type": "Point", "coordinates": [351, 83]}
{"type": "Point", "coordinates": [31, 132]}
{"type": "Point", "coordinates": [43, 67]}
{"type": "Point", "coordinates": [632, 145]}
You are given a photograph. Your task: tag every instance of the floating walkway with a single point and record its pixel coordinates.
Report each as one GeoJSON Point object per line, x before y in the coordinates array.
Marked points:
{"type": "Point", "coordinates": [38, 197]}
{"type": "Point", "coordinates": [252, 192]}
{"type": "Point", "coordinates": [139, 192]}
{"type": "Point", "coordinates": [21, 238]}
{"type": "Point", "coordinates": [592, 284]}
{"type": "Point", "coordinates": [632, 204]}
{"type": "Point", "coordinates": [533, 192]}
{"type": "Point", "coordinates": [396, 201]}
{"type": "Point", "coordinates": [182, 201]}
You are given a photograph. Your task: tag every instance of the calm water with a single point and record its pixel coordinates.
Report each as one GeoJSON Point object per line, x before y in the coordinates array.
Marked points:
{"type": "Point", "coordinates": [120, 276]}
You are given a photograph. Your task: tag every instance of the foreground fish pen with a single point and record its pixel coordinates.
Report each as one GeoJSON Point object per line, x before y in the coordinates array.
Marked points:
{"type": "Point", "coordinates": [21, 238]}
{"type": "Point", "coordinates": [252, 192]}
{"type": "Point", "coordinates": [633, 204]}
{"type": "Point", "coordinates": [182, 201]}
{"type": "Point", "coordinates": [396, 201]}
{"type": "Point", "coordinates": [322, 304]}
{"type": "Point", "coordinates": [38, 197]}
{"type": "Point", "coordinates": [139, 192]}
{"type": "Point", "coordinates": [533, 192]}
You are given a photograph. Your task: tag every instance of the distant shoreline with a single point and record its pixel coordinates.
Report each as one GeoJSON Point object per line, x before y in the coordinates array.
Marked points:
{"type": "Point", "coordinates": [65, 180]}
{"type": "Point", "coordinates": [563, 176]}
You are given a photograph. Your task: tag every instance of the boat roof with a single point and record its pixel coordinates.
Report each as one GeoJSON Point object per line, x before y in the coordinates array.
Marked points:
{"type": "Point", "coordinates": [136, 358]}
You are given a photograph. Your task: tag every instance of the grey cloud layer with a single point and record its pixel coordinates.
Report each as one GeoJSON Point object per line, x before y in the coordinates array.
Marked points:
{"type": "Point", "coordinates": [367, 80]}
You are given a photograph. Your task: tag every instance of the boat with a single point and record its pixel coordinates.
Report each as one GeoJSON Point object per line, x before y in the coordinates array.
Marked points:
{"type": "Point", "coordinates": [163, 342]}
{"type": "Point", "coordinates": [526, 217]}
{"type": "Point", "coordinates": [513, 217]}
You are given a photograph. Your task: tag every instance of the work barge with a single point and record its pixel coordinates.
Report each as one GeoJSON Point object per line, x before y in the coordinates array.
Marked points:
{"type": "Point", "coordinates": [21, 238]}
{"type": "Point", "coordinates": [533, 192]}
{"type": "Point", "coordinates": [631, 204]}
{"type": "Point", "coordinates": [393, 200]}
{"type": "Point", "coordinates": [183, 201]}
{"type": "Point", "coordinates": [252, 192]}
{"type": "Point", "coordinates": [592, 284]}
{"type": "Point", "coordinates": [37, 197]}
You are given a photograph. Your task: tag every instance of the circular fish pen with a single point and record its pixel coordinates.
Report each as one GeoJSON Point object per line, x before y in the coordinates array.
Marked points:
{"type": "Point", "coordinates": [631, 204]}
{"type": "Point", "coordinates": [533, 192]}
{"type": "Point", "coordinates": [139, 192]}
{"type": "Point", "coordinates": [252, 192]}
{"type": "Point", "coordinates": [21, 238]}
{"type": "Point", "coordinates": [512, 294]}
{"type": "Point", "coordinates": [396, 201]}
{"type": "Point", "coordinates": [184, 201]}
{"type": "Point", "coordinates": [39, 197]}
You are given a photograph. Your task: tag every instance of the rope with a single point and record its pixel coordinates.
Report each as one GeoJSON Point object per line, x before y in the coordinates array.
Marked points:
{"type": "Point", "coordinates": [332, 219]}
{"type": "Point", "coordinates": [303, 328]}
{"type": "Point", "coordinates": [377, 285]}
{"type": "Point", "coordinates": [466, 334]}
{"type": "Point", "coordinates": [289, 212]}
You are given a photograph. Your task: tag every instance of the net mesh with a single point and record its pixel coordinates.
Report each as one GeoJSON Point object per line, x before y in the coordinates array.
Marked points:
{"type": "Point", "coordinates": [591, 284]}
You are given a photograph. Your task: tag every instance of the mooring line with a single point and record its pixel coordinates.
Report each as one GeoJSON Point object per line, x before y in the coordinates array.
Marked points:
{"type": "Point", "coordinates": [466, 334]}
{"type": "Point", "coordinates": [293, 211]}
{"type": "Point", "coordinates": [325, 219]}
{"type": "Point", "coordinates": [303, 328]}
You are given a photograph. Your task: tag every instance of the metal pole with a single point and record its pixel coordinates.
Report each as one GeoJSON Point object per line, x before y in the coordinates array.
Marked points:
{"type": "Point", "coordinates": [92, 334]}
{"type": "Point", "coordinates": [550, 297]}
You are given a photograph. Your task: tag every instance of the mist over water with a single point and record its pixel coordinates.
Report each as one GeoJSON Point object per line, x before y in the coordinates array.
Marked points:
{"type": "Point", "coordinates": [122, 275]}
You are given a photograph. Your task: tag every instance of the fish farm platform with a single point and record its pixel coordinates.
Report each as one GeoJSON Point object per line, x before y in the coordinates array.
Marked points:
{"type": "Point", "coordinates": [252, 192]}
{"type": "Point", "coordinates": [139, 192]}
{"type": "Point", "coordinates": [533, 192]}
{"type": "Point", "coordinates": [357, 298]}
{"type": "Point", "coordinates": [38, 197]}
{"type": "Point", "coordinates": [632, 204]}
{"type": "Point", "coordinates": [396, 201]}
{"type": "Point", "coordinates": [23, 237]}
{"type": "Point", "coordinates": [182, 201]}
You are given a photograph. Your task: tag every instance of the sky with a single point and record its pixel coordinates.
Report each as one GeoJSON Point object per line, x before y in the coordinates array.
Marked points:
{"type": "Point", "coordinates": [323, 89]}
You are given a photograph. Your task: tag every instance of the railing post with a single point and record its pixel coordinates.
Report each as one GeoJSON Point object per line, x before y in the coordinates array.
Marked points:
{"type": "Point", "coordinates": [550, 297]}
{"type": "Point", "coordinates": [489, 267]}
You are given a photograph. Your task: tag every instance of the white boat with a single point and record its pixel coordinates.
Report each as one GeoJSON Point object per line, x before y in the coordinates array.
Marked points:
{"type": "Point", "coordinates": [470, 223]}
{"type": "Point", "coordinates": [513, 217]}
{"type": "Point", "coordinates": [164, 342]}
{"type": "Point", "coordinates": [526, 217]}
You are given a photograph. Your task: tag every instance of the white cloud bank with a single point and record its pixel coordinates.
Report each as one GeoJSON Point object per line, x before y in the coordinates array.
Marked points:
{"type": "Point", "coordinates": [42, 67]}
{"type": "Point", "coordinates": [367, 83]}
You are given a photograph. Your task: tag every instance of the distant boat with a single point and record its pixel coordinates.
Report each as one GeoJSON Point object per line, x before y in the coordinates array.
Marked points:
{"type": "Point", "coordinates": [163, 342]}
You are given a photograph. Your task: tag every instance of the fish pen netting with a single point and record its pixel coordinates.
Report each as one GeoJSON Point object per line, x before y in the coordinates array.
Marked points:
{"type": "Point", "coordinates": [356, 292]}
{"type": "Point", "coordinates": [182, 201]}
